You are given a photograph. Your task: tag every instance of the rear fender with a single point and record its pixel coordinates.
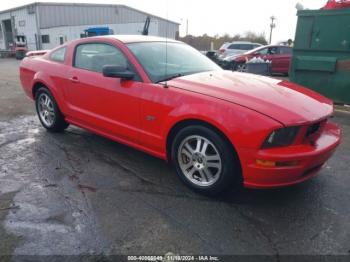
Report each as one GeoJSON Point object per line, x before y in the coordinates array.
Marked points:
{"type": "Point", "coordinates": [41, 78]}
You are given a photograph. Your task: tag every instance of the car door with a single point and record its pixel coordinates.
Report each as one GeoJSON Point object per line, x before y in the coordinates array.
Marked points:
{"type": "Point", "coordinates": [262, 53]}
{"type": "Point", "coordinates": [283, 59]}
{"type": "Point", "coordinates": [108, 105]}
{"type": "Point", "coordinates": [270, 53]}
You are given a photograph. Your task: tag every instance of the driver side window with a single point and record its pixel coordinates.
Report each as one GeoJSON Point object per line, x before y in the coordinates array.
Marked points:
{"type": "Point", "coordinates": [263, 51]}
{"type": "Point", "coordinates": [272, 51]}
{"type": "Point", "coordinates": [94, 56]}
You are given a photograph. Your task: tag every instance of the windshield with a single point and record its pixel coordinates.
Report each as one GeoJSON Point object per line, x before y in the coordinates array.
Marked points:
{"type": "Point", "coordinates": [163, 60]}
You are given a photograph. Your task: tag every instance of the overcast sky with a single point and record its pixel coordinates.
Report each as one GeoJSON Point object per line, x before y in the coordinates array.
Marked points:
{"type": "Point", "coordinates": [215, 17]}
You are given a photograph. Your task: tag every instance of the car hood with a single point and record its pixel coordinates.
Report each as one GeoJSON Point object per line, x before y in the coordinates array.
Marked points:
{"type": "Point", "coordinates": [232, 57]}
{"type": "Point", "coordinates": [286, 102]}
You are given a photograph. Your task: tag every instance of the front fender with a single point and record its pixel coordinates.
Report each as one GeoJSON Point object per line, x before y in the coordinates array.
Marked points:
{"type": "Point", "coordinates": [243, 127]}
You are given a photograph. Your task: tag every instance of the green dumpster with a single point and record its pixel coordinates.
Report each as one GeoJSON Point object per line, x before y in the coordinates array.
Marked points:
{"type": "Point", "coordinates": [321, 53]}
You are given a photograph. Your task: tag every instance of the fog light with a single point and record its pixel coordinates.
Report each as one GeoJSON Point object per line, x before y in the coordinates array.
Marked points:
{"type": "Point", "coordinates": [265, 163]}
{"type": "Point", "coordinates": [288, 163]}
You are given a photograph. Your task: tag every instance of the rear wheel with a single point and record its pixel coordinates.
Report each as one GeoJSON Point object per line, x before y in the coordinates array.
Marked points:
{"type": "Point", "coordinates": [205, 161]}
{"type": "Point", "coordinates": [48, 111]}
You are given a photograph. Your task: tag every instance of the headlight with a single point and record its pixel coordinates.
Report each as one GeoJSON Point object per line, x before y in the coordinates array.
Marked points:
{"type": "Point", "coordinates": [281, 137]}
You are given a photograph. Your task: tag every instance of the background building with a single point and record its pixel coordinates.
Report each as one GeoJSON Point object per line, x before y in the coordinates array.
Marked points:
{"type": "Point", "coordinates": [46, 25]}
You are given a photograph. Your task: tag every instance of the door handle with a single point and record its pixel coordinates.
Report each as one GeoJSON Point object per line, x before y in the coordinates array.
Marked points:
{"type": "Point", "coordinates": [74, 79]}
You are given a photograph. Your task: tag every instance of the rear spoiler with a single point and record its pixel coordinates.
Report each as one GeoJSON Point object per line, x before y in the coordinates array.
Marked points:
{"type": "Point", "coordinates": [36, 53]}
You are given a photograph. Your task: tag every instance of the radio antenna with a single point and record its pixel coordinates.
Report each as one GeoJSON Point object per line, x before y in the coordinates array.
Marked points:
{"type": "Point", "coordinates": [166, 42]}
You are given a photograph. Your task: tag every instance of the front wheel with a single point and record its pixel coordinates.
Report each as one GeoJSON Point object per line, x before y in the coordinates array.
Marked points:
{"type": "Point", "coordinates": [48, 111]}
{"type": "Point", "coordinates": [240, 67]}
{"type": "Point", "coordinates": [205, 161]}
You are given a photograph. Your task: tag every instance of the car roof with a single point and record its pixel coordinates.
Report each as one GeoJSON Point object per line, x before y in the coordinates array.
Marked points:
{"type": "Point", "coordinates": [125, 39]}
{"type": "Point", "coordinates": [137, 38]}
{"type": "Point", "coordinates": [275, 46]}
{"type": "Point", "coordinates": [241, 42]}
{"type": "Point", "coordinates": [263, 47]}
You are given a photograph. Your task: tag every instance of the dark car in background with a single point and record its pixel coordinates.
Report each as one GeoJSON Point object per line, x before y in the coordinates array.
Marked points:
{"type": "Point", "coordinates": [279, 55]}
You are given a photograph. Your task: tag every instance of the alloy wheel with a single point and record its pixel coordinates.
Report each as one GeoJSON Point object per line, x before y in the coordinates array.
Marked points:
{"type": "Point", "coordinates": [199, 160]}
{"type": "Point", "coordinates": [46, 110]}
{"type": "Point", "coordinates": [241, 68]}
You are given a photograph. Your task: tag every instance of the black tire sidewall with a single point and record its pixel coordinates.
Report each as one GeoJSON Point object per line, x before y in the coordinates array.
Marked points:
{"type": "Point", "coordinates": [232, 66]}
{"type": "Point", "coordinates": [230, 176]}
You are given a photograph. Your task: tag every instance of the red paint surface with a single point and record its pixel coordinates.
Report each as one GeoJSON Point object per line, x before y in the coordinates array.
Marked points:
{"type": "Point", "coordinates": [334, 4]}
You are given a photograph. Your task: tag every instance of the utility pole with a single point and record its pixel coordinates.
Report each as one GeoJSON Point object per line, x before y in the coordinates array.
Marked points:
{"type": "Point", "coordinates": [272, 26]}
{"type": "Point", "coordinates": [182, 21]}
{"type": "Point", "coordinates": [187, 27]}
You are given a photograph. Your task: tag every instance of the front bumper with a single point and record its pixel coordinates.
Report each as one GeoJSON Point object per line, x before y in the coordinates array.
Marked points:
{"type": "Point", "coordinates": [224, 64]}
{"type": "Point", "coordinates": [309, 160]}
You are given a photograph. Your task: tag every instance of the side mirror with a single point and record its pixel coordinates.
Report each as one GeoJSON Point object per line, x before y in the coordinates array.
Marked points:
{"type": "Point", "coordinates": [117, 72]}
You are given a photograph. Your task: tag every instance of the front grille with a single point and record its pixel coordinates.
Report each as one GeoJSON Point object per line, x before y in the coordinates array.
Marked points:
{"type": "Point", "coordinates": [313, 129]}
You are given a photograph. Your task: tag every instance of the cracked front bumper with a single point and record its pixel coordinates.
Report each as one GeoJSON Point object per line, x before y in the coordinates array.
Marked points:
{"type": "Point", "coordinates": [309, 159]}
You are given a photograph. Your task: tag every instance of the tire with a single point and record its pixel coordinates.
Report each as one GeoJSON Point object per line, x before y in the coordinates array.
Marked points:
{"type": "Point", "coordinates": [201, 169]}
{"type": "Point", "coordinates": [48, 111]}
{"type": "Point", "coordinates": [240, 67]}
{"type": "Point", "coordinates": [232, 66]}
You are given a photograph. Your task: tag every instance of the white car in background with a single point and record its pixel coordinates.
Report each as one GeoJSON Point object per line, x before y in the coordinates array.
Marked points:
{"type": "Point", "coordinates": [236, 48]}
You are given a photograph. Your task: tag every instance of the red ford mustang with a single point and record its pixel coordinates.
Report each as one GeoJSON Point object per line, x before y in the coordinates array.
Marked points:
{"type": "Point", "coordinates": [219, 128]}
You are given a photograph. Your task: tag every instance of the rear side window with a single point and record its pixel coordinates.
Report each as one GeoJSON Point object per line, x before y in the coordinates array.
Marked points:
{"type": "Point", "coordinates": [285, 50]}
{"type": "Point", "coordinates": [94, 56]}
{"type": "Point", "coordinates": [234, 46]}
{"type": "Point", "coordinates": [241, 46]}
{"type": "Point", "coordinates": [246, 47]}
{"type": "Point", "coordinates": [59, 55]}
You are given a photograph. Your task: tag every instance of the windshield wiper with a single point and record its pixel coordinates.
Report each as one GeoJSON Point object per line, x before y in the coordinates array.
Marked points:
{"type": "Point", "coordinates": [170, 77]}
